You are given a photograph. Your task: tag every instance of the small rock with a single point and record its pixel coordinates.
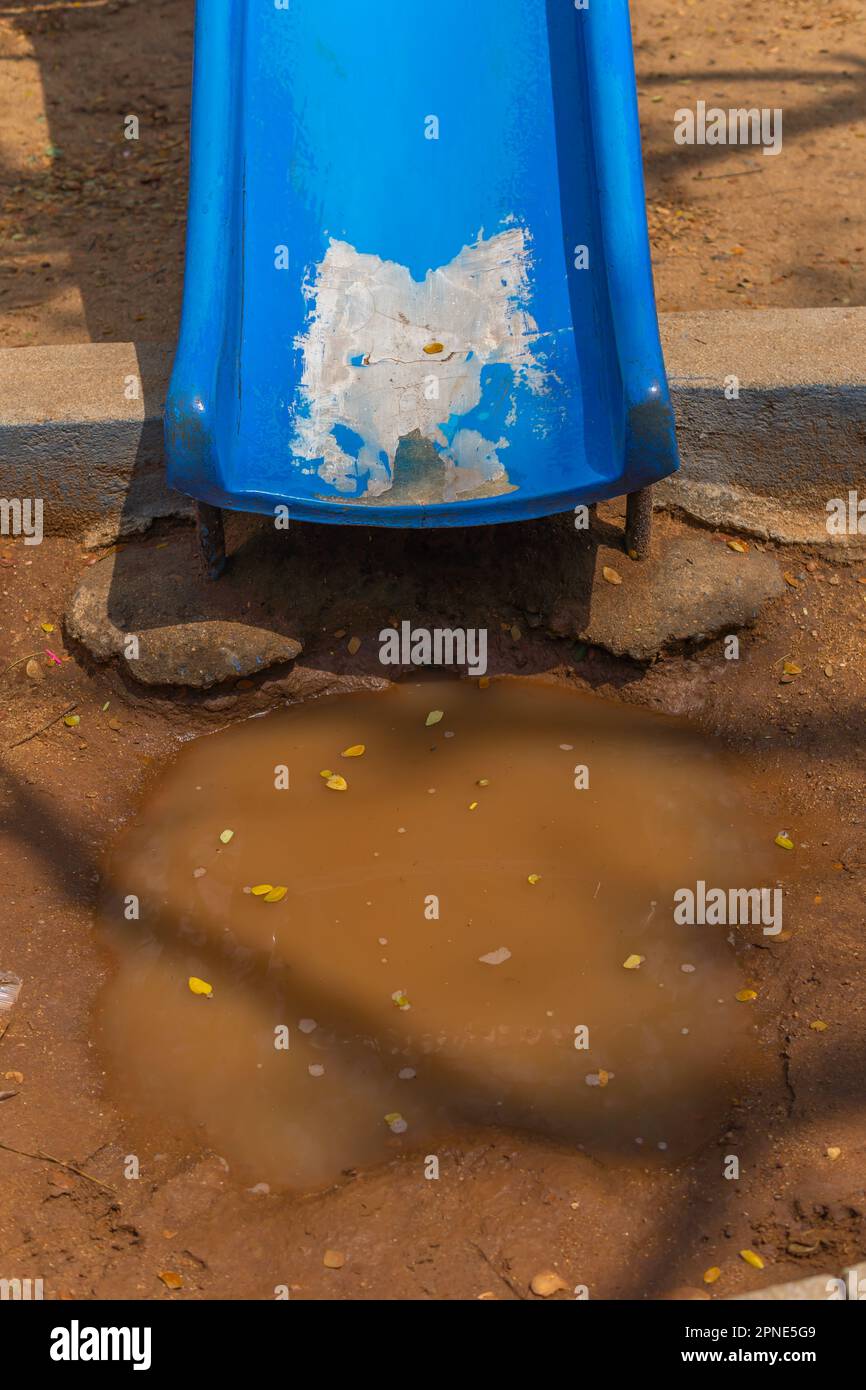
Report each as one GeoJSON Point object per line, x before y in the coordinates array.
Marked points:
{"type": "Point", "coordinates": [334, 1259]}
{"type": "Point", "coordinates": [547, 1283]}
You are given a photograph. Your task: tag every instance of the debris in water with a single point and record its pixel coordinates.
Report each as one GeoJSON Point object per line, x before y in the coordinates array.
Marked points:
{"type": "Point", "coordinates": [633, 962]}
{"type": "Point", "coordinates": [496, 957]}
{"type": "Point", "coordinates": [227, 836]}
{"type": "Point", "coordinates": [337, 784]}
{"type": "Point", "coordinates": [356, 751]}
{"type": "Point", "coordinates": [198, 986]}
{"type": "Point", "coordinates": [434, 717]}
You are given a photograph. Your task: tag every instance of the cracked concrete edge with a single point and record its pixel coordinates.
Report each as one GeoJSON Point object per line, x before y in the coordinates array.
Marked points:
{"type": "Point", "coordinates": [81, 426]}
{"type": "Point", "coordinates": [816, 1288]}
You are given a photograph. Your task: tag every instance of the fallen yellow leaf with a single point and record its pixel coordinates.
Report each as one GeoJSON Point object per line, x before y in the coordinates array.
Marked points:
{"type": "Point", "coordinates": [833, 1153]}
{"type": "Point", "coordinates": [227, 836]}
{"type": "Point", "coordinates": [353, 645]}
{"type": "Point", "coordinates": [752, 1259]}
{"type": "Point", "coordinates": [739, 546]}
{"type": "Point", "coordinates": [170, 1279]}
{"type": "Point", "coordinates": [326, 773]}
{"type": "Point", "coordinates": [791, 668]}
{"type": "Point", "coordinates": [473, 805]}
{"type": "Point", "coordinates": [819, 1026]}
{"type": "Point", "coordinates": [276, 895]}
{"type": "Point", "coordinates": [533, 879]}
{"type": "Point", "coordinates": [633, 962]}
{"type": "Point", "coordinates": [337, 784]}
{"type": "Point", "coordinates": [47, 627]}
{"type": "Point", "coordinates": [712, 1274]}
{"type": "Point", "coordinates": [433, 348]}
{"type": "Point", "coordinates": [611, 575]}
{"type": "Point", "coordinates": [434, 717]}
{"type": "Point", "coordinates": [745, 996]}
{"type": "Point", "coordinates": [198, 986]}
{"type": "Point", "coordinates": [356, 751]}
{"type": "Point", "coordinates": [72, 721]}
{"type": "Point", "coordinates": [261, 889]}
{"type": "Point", "coordinates": [784, 841]}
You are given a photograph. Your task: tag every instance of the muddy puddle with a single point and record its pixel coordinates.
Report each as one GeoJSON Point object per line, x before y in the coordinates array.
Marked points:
{"type": "Point", "coordinates": [452, 944]}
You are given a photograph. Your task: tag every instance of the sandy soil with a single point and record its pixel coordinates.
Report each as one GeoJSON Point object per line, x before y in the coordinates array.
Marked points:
{"type": "Point", "coordinates": [508, 1205]}
{"type": "Point", "coordinates": [92, 239]}
{"type": "Point", "coordinates": [92, 225]}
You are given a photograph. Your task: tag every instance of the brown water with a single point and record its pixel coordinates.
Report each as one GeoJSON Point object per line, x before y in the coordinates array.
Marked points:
{"type": "Point", "coordinates": [401, 1025]}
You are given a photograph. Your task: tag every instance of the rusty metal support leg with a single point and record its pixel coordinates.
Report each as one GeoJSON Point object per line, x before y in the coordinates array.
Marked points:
{"type": "Point", "coordinates": [639, 523]}
{"type": "Point", "coordinates": [211, 539]}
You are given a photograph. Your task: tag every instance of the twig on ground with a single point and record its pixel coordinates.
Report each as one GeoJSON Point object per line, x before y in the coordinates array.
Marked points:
{"type": "Point", "coordinates": [19, 662]}
{"type": "Point", "coordinates": [36, 732]}
{"type": "Point", "coordinates": [49, 1158]}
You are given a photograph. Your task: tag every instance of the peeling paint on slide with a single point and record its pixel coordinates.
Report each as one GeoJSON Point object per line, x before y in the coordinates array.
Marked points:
{"type": "Point", "coordinates": [391, 361]}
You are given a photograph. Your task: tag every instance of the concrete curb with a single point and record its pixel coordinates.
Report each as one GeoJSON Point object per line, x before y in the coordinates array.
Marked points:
{"type": "Point", "coordinates": [81, 426]}
{"type": "Point", "coordinates": [769, 460]}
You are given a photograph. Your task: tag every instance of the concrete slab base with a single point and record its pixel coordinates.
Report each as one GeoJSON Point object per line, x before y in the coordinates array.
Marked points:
{"type": "Point", "coordinates": [150, 606]}
{"type": "Point", "coordinates": [692, 589]}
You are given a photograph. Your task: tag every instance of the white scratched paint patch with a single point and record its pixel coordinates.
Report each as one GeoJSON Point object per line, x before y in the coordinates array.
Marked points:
{"type": "Point", "coordinates": [368, 383]}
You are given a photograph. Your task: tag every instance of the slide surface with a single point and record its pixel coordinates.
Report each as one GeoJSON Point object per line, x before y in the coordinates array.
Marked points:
{"type": "Point", "coordinates": [418, 289]}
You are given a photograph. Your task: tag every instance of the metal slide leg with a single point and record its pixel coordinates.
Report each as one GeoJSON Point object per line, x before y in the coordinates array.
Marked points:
{"type": "Point", "coordinates": [639, 523]}
{"type": "Point", "coordinates": [211, 538]}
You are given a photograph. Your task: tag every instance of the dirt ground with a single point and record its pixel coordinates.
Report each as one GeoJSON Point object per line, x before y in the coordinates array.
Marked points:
{"type": "Point", "coordinates": [92, 242]}
{"type": "Point", "coordinates": [92, 224]}
{"type": "Point", "coordinates": [508, 1205]}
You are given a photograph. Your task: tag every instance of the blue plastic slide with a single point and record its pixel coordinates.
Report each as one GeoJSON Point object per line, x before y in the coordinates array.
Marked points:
{"type": "Point", "coordinates": [418, 286]}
